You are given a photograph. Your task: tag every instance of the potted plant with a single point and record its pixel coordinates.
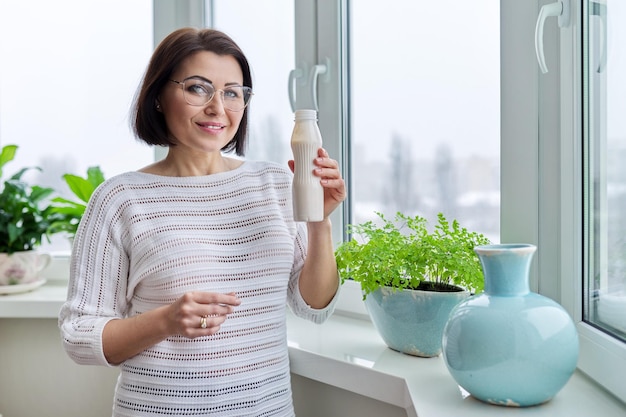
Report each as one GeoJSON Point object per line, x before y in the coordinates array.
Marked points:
{"type": "Point", "coordinates": [411, 277]}
{"type": "Point", "coordinates": [70, 212]}
{"type": "Point", "coordinates": [26, 218]}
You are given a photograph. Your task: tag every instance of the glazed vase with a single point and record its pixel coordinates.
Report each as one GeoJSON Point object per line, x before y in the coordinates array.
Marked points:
{"type": "Point", "coordinates": [510, 346]}
{"type": "Point", "coordinates": [412, 321]}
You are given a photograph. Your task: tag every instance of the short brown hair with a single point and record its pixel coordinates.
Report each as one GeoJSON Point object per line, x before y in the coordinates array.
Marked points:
{"type": "Point", "coordinates": [148, 123]}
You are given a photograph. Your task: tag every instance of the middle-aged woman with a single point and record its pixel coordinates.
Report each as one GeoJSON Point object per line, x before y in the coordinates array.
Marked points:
{"type": "Point", "coordinates": [181, 271]}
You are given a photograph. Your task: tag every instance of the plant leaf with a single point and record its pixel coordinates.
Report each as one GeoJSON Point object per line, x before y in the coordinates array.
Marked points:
{"type": "Point", "coordinates": [81, 187]}
{"type": "Point", "coordinates": [95, 176]}
{"type": "Point", "coordinates": [7, 155]}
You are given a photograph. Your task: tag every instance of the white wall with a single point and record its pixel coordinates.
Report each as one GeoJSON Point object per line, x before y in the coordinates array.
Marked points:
{"type": "Point", "coordinates": [37, 379]}
{"type": "Point", "coordinates": [315, 399]}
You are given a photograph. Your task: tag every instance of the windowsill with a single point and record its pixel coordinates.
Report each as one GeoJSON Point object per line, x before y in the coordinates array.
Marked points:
{"type": "Point", "coordinates": [346, 352]}
{"type": "Point", "coordinates": [44, 302]}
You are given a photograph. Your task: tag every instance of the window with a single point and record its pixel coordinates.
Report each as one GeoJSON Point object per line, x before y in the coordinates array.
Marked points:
{"type": "Point", "coordinates": [604, 192]}
{"type": "Point", "coordinates": [425, 111]}
{"type": "Point", "coordinates": [66, 96]}
{"type": "Point", "coordinates": [560, 135]}
{"type": "Point", "coordinates": [605, 181]}
{"type": "Point", "coordinates": [267, 39]}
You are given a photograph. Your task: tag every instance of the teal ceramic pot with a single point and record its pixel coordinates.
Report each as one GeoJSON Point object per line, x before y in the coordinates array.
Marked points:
{"type": "Point", "coordinates": [412, 321]}
{"type": "Point", "coordinates": [510, 346]}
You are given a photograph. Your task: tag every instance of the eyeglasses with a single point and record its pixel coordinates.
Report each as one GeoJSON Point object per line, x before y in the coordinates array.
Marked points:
{"type": "Point", "coordinates": [198, 92]}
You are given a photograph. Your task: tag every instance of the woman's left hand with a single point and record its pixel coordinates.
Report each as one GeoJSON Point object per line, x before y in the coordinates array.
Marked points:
{"type": "Point", "coordinates": [331, 180]}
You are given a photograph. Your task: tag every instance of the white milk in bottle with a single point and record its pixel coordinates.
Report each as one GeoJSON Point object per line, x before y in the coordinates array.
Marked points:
{"type": "Point", "coordinates": [308, 194]}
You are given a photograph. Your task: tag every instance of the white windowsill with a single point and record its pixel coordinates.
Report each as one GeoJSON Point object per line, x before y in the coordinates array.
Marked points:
{"type": "Point", "coordinates": [347, 352]}
{"type": "Point", "coordinates": [44, 302]}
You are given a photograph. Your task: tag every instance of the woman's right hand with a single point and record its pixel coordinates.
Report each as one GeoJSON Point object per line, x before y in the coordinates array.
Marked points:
{"type": "Point", "coordinates": [200, 313]}
{"type": "Point", "coordinates": [125, 338]}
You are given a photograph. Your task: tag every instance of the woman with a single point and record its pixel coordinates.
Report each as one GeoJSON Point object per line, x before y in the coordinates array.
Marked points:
{"type": "Point", "coordinates": [180, 271]}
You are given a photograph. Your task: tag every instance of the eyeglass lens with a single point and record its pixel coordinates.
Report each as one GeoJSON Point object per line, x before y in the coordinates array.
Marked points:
{"type": "Point", "coordinates": [199, 93]}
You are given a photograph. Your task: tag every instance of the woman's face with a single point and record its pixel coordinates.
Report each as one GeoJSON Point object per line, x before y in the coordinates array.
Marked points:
{"type": "Point", "coordinates": [210, 127]}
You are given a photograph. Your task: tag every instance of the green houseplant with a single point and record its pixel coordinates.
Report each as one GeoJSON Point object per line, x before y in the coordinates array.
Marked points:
{"type": "Point", "coordinates": [71, 212]}
{"type": "Point", "coordinates": [26, 218]}
{"type": "Point", "coordinates": [411, 277]}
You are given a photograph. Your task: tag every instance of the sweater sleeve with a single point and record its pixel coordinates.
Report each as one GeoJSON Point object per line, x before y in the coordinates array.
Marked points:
{"type": "Point", "coordinates": [98, 278]}
{"type": "Point", "coordinates": [296, 303]}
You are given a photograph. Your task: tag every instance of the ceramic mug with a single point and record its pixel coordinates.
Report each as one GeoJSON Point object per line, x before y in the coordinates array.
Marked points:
{"type": "Point", "coordinates": [22, 267]}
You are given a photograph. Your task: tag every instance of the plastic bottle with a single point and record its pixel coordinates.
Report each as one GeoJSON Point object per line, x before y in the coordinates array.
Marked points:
{"type": "Point", "coordinates": [308, 194]}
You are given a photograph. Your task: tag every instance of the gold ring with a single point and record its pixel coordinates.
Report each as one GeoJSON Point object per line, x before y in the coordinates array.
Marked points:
{"type": "Point", "coordinates": [203, 322]}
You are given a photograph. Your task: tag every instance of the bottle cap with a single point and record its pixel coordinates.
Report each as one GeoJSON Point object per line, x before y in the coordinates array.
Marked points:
{"type": "Point", "coordinates": [306, 114]}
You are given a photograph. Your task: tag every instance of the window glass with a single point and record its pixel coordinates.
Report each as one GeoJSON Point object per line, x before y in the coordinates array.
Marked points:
{"type": "Point", "coordinates": [425, 110]}
{"type": "Point", "coordinates": [605, 172]}
{"type": "Point", "coordinates": [70, 70]}
{"type": "Point", "coordinates": [265, 32]}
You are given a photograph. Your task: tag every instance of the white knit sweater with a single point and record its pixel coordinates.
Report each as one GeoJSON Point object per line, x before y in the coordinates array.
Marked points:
{"type": "Point", "coordinates": [147, 239]}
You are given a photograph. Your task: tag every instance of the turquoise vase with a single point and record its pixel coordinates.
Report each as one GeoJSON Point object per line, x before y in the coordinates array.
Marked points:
{"type": "Point", "coordinates": [508, 345]}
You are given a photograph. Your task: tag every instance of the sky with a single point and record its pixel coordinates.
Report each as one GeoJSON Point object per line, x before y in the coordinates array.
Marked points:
{"type": "Point", "coordinates": [410, 74]}
{"type": "Point", "coordinates": [66, 82]}
{"type": "Point", "coordinates": [431, 77]}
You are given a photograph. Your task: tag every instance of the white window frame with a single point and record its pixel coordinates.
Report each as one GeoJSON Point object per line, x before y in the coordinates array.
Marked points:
{"type": "Point", "coordinates": [169, 16]}
{"type": "Point", "coordinates": [317, 42]}
{"type": "Point", "coordinates": [320, 43]}
{"type": "Point", "coordinates": [602, 357]}
{"type": "Point", "coordinates": [541, 171]}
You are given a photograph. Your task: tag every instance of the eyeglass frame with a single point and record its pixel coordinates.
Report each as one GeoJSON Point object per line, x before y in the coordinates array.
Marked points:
{"type": "Point", "coordinates": [215, 90]}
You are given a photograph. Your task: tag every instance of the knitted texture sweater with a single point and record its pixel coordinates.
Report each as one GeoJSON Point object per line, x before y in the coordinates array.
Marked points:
{"type": "Point", "coordinates": [145, 240]}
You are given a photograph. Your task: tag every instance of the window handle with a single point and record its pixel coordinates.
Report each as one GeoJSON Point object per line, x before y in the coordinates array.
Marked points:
{"type": "Point", "coordinates": [599, 9]}
{"type": "Point", "coordinates": [560, 9]}
{"type": "Point", "coordinates": [317, 70]}
{"type": "Point", "coordinates": [298, 73]}
{"type": "Point", "coordinates": [294, 74]}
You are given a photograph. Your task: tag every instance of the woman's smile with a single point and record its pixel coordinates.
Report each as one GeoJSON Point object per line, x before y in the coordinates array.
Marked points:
{"type": "Point", "coordinates": [211, 127]}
